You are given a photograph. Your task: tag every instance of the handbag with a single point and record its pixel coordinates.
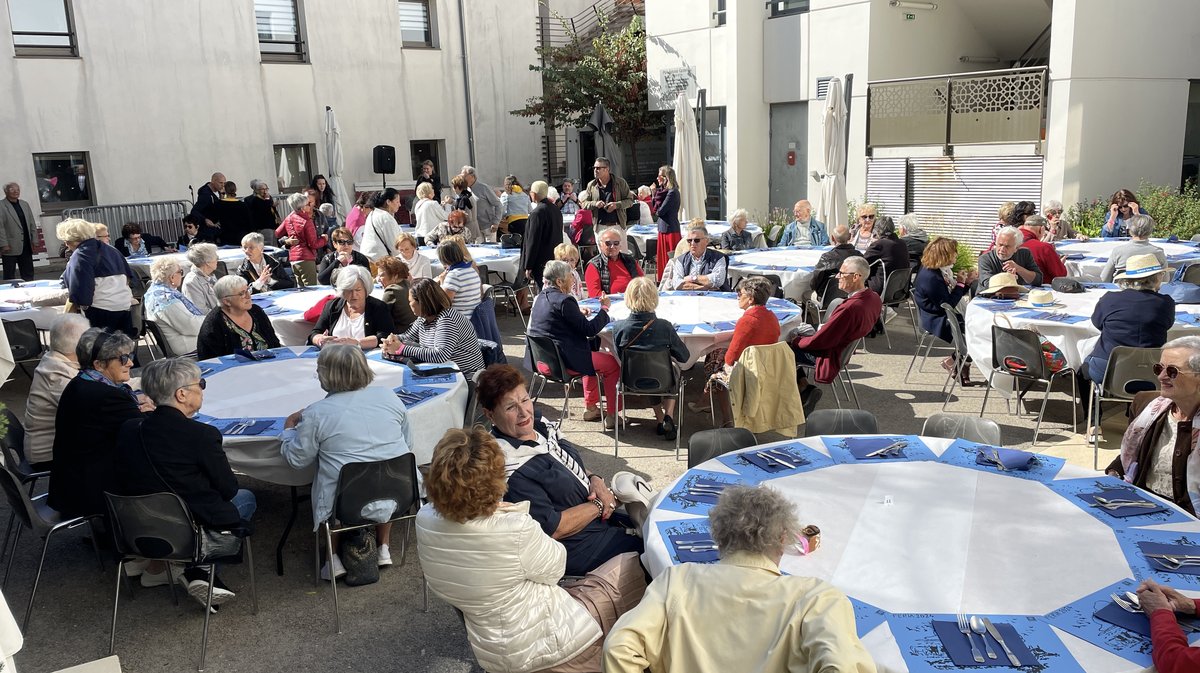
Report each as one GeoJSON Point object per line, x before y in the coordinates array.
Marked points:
{"type": "Point", "coordinates": [360, 557]}
{"type": "Point", "coordinates": [1054, 358]}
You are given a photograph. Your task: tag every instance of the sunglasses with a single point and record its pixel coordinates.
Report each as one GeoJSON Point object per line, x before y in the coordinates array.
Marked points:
{"type": "Point", "coordinates": [202, 383]}
{"type": "Point", "coordinates": [1172, 371]}
{"type": "Point", "coordinates": [695, 240]}
{"type": "Point", "coordinates": [848, 273]}
{"type": "Point", "coordinates": [125, 358]}
{"type": "Point", "coordinates": [338, 241]}
{"type": "Point", "coordinates": [866, 217]}
{"type": "Point", "coordinates": [612, 244]}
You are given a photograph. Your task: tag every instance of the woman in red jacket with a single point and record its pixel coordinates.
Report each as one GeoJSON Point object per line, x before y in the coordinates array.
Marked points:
{"type": "Point", "coordinates": [1169, 646]}
{"type": "Point", "coordinates": [757, 327]}
{"type": "Point", "coordinates": [306, 243]}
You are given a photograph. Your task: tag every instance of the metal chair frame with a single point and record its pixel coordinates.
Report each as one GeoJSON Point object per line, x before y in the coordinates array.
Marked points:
{"type": "Point", "coordinates": [558, 374]}
{"type": "Point", "coordinates": [1125, 363]}
{"type": "Point", "coordinates": [1030, 352]}
{"type": "Point", "coordinates": [631, 369]}
{"type": "Point", "coordinates": [959, 346]}
{"type": "Point", "coordinates": [897, 291]}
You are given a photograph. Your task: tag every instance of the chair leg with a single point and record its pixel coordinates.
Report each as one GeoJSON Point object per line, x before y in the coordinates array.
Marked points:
{"type": "Point", "coordinates": [317, 556]}
{"type": "Point", "coordinates": [883, 326]}
{"type": "Point", "coordinates": [112, 633]}
{"type": "Point", "coordinates": [12, 552]}
{"type": "Point", "coordinates": [337, 613]}
{"type": "Point", "coordinates": [253, 584]}
{"type": "Point", "coordinates": [1042, 411]}
{"type": "Point", "coordinates": [987, 390]}
{"type": "Point", "coordinates": [617, 424]}
{"type": "Point", "coordinates": [36, 578]}
{"type": "Point", "coordinates": [12, 517]}
{"type": "Point", "coordinates": [212, 576]}
{"type": "Point", "coordinates": [679, 421]}
{"type": "Point", "coordinates": [171, 584]}
{"type": "Point", "coordinates": [916, 354]}
{"type": "Point", "coordinates": [912, 315]}
{"type": "Point", "coordinates": [424, 594]}
{"type": "Point", "coordinates": [562, 416]}
{"type": "Point", "coordinates": [95, 545]}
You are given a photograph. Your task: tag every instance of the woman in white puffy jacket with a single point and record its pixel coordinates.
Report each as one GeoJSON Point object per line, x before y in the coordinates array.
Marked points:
{"type": "Point", "coordinates": [492, 561]}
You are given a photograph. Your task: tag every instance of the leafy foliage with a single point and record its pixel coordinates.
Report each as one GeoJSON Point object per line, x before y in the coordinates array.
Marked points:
{"type": "Point", "coordinates": [1176, 213]}
{"type": "Point", "coordinates": [772, 223]}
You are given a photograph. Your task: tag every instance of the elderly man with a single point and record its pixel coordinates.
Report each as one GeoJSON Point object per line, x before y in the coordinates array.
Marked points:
{"type": "Point", "coordinates": [829, 263]}
{"type": "Point", "coordinates": [610, 271]}
{"type": "Point", "coordinates": [702, 268]}
{"type": "Point", "coordinates": [53, 373]}
{"type": "Point", "coordinates": [17, 234]}
{"type": "Point", "coordinates": [486, 204]}
{"type": "Point", "coordinates": [805, 229]}
{"type": "Point", "coordinates": [205, 208]}
{"type": "Point", "coordinates": [783, 622]}
{"type": "Point", "coordinates": [1007, 256]}
{"type": "Point", "coordinates": [543, 231]}
{"type": "Point", "coordinates": [568, 200]}
{"type": "Point", "coordinates": [1044, 254]}
{"type": "Point", "coordinates": [1158, 451]}
{"type": "Point", "coordinates": [607, 196]}
{"type": "Point", "coordinates": [167, 450]}
{"type": "Point", "coordinates": [849, 322]}
{"type": "Point", "coordinates": [1140, 229]}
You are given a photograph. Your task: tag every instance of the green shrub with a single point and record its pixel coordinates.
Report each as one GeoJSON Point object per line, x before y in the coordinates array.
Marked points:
{"type": "Point", "coordinates": [772, 223]}
{"type": "Point", "coordinates": [1176, 213]}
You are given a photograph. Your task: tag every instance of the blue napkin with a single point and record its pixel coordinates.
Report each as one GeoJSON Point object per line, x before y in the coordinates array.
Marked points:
{"type": "Point", "coordinates": [686, 556]}
{"type": "Point", "coordinates": [1187, 318]}
{"type": "Point", "coordinates": [255, 428]}
{"type": "Point", "coordinates": [771, 466]}
{"type": "Point", "coordinates": [441, 378]}
{"type": "Point", "coordinates": [959, 649]}
{"type": "Point", "coordinates": [702, 481]}
{"type": "Point", "coordinates": [1119, 494]}
{"type": "Point", "coordinates": [1112, 613]}
{"type": "Point", "coordinates": [859, 447]}
{"type": "Point", "coordinates": [685, 329]}
{"type": "Point", "coordinates": [274, 310]}
{"type": "Point", "coordinates": [1012, 459]}
{"type": "Point", "coordinates": [1075, 255]}
{"type": "Point", "coordinates": [1055, 317]}
{"type": "Point", "coordinates": [1099, 286]}
{"type": "Point", "coordinates": [414, 396]}
{"type": "Point", "coordinates": [1161, 548]}
{"type": "Point", "coordinates": [724, 325]}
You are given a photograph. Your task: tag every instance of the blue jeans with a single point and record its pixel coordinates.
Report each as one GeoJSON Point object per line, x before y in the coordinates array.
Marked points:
{"type": "Point", "coordinates": [245, 502]}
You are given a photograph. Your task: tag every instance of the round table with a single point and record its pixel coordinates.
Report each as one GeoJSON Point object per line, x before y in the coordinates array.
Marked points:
{"type": "Point", "coordinates": [501, 260]}
{"type": "Point", "coordinates": [930, 534]}
{"type": "Point", "coordinates": [1086, 259]}
{"type": "Point", "coordinates": [684, 309]}
{"type": "Point", "coordinates": [647, 234]}
{"type": "Point", "coordinates": [793, 264]}
{"type": "Point", "coordinates": [286, 310]}
{"type": "Point", "coordinates": [232, 255]}
{"type": "Point", "coordinates": [30, 294]}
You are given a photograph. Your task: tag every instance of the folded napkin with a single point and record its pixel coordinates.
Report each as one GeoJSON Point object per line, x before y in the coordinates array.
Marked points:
{"type": "Point", "coordinates": [723, 325]}
{"type": "Point", "coordinates": [274, 310]}
{"type": "Point", "coordinates": [1120, 494]}
{"type": "Point", "coordinates": [959, 649]}
{"type": "Point", "coordinates": [437, 379]}
{"type": "Point", "coordinates": [1055, 317]}
{"type": "Point", "coordinates": [1099, 286]}
{"type": "Point", "coordinates": [414, 396]}
{"type": "Point", "coordinates": [1112, 613]}
{"type": "Point", "coordinates": [769, 465]}
{"type": "Point", "coordinates": [859, 447]}
{"type": "Point", "coordinates": [687, 556]}
{"type": "Point", "coordinates": [1162, 548]}
{"type": "Point", "coordinates": [686, 494]}
{"type": "Point", "coordinates": [1011, 459]}
{"type": "Point", "coordinates": [1075, 255]}
{"type": "Point", "coordinates": [255, 428]}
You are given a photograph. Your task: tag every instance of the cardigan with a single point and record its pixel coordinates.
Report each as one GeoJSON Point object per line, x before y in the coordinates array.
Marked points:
{"type": "Point", "coordinates": [557, 317]}
{"type": "Point", "coordinates": [1046, 256]}
{"type": "Point", "coordinates": [215, 339]}
{"type": "Point", "coordinates": [280, 280]}
{"type": "Point", "coordinates": [51, 377]}
{"type": "Point", "coordinates": [757, 327]}
{"type": "Point", "coordinates": [668, 211]}
{"type": "Point", "coordinates": [449, 337]}
{"type": "Point", "coordinates": [377, 318]}
{"type": "Point", "coordinates": [396, 297]}
{"type": "Point", "coordinates": [1139, 318]}
{"type": "Point", "coordinates": [930, 291]}
{"type": "Point", "coordinates": [849, 322]}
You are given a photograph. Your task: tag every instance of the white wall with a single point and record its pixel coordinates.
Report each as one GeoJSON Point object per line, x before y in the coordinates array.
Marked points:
{"type": "Point", "coordinates": [928, 45]}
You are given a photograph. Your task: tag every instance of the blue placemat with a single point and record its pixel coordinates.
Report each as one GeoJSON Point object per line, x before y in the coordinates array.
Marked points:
{"type": "Point", "coordinates": [438, 379]}
{"type": "Point", "coordinates": [848, 449]}
{"type": "Point", "coordinates": [1185, 318]}
{"type": "Point", "coordinates": [697, 491]}
{"type": "Point", "coordinates": [746, 464]}
{"type": "Point", "coordinates": [866, 616]}
{"type": "Point", "coordinates": [1079, 619]}
{"type": "Point", "coordinates": [411, 397]}
{"type": "Point", "coordinates": [1004, 459]}
{"type": "Point", "coordinates": [1074, 491]}
{"type": "Point", "coordinates": [958, 647]}
{"type": "Point", "coordinates": [1048, 316]}
{"type": "Point", "coordinates": [244, 426]}
{"type": "Point", "coordinates": [1148, 548]}
{"type": "Point", "coordinates": [1133, 541]}
{"type": "Point", "coordinates": [1099, 286]}
{"type": "Point", "coordinates": [678, 534]}
{"type": "Point", "coordinates": [923, 651]}
{"type": "Point", "coordinates": [964, 454]}
{"type": "Point", "coordinates": [997, 306]}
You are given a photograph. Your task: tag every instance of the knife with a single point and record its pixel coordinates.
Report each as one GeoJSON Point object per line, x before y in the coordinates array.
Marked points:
{"type": "Point", "coordinates": [1012, 658]}
{"type": "Point", "coordinates": [776, 456]}
{"type": "Point", "coordinates": [894, 446]}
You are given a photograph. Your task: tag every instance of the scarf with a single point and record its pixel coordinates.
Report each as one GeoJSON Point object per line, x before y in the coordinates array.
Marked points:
{"type": "Point", "coordinates": [463, 200]}
{"type": "Point", "coordinates": [460, 265]}
{"type": "Point", "coordinates": [93, 375]}
{"type": "Point", "coordinates": [160, 296]}
{"type": "Point", "coordinates": [547, 443]}
{"type": "Point", "coordinates": [948, 276]}
{"type": "Point", "coordinates": [1135, 436]}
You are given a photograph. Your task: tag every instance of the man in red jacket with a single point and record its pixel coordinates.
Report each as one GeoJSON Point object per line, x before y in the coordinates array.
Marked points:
{"type": "Point", "coordinates": [849, 322]}
{"type": "Point", "coordinates": [1170, 651]}
{"type": "Point", "coordinates": [1045, 254]}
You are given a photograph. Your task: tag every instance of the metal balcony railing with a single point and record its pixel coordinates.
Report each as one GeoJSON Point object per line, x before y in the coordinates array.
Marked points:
{"type": "Point", "coordinates": [996, 106]}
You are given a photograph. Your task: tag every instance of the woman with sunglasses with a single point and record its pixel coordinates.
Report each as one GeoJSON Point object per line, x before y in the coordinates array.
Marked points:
{"type": "Point", "coordinates": [1158, 451]}
{"type": "Point", "coordinates": [1122, 206]}
{"type": "Point", "coordinates": [865, 234]}
{"type": "Point", "coordinates": [262, 271]}
{"type": "Point", "coordinates": [90, 413]}
{"type": "Point", "coordinates": [342, 255]}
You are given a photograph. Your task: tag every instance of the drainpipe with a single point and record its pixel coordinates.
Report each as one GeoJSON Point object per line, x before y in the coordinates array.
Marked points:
{"type": "Point", "coordinates": [462, 36]}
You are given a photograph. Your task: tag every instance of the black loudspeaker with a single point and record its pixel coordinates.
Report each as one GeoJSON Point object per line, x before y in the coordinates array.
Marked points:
{"type": "Point", "coordinates": [384, 158]}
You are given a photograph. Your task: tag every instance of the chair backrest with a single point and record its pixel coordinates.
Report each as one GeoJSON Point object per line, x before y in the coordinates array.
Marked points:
{"type": "Point", "coordinates": [14, 438]}
{"type": "Point", "coordinates": [841, 422]}
{"type": "Point", "coordinates": [363, 485]}
{"type": "Point", "coordinates": [877, 270]}
{"type": "Point", "coordinates": [472, 411]}
{"type": "Point", "coordinates": [547, 359]}
{"type": "Point", "coordinates": [508, 241]}
{"type": "Point", "coordinates": [897, 288]}
{"type": "Point", "coordinates": [482, 269]}
{"type": "Point", "coordinates": [222, 269]}
{"type": "Point", "coordinates": [962, 426]}
{"type": "Point", "coordinates": [829, 309]}
{"type": "Point", "coordinates": [848, 352]}
{"type": "Point", "coordinates": [18, 500]}
{"type": "Point", "coordinates": [954, 319]}
{"type": "Point", "coordinates": [161, 341]}
{"type": "Point", "coordinates": [1192, 274]}
{"type": "Point", "coordinates": [648, 372]}
{"type": "Point", "coordinates": [23, 339]}
{"type": "Point", "coordinates": [776, 283]}
{"type": "Point", "coordinates": [812, 312]}
{"type": "Point", "coordinates": [708, 444]}
{"type": "Point", "coordinates": [1018, 352]}
{"type": "Point", "coordinates": [634, 248]}
{"type": "Point", "coordinates": [831, 291]}
{"type": "Point", "coordinates": [156, 526]}
{"type": "Point", "coordinates": [1130, 371]}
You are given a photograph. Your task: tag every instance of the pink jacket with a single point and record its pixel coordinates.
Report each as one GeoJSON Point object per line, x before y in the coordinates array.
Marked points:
{"type": "Point", "coordinates": [300, 225]}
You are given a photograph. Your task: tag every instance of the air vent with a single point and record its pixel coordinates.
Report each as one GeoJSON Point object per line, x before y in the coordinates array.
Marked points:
{"type": "Point", "coordinates": [822, 87]}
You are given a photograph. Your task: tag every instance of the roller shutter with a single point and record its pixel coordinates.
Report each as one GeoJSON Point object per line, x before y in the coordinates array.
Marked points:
{"type": "Point", "coordinates": [960, 197]}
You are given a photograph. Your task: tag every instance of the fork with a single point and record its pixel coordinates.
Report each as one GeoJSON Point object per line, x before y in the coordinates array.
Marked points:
{"type": "Point", "coordinates": [1128, 605]}
{"type": "Point", "coordinates": [237, 429]}
{"type": "Point", "coordinates": [965, 627]}
{"type": "Point", "coordinates": [1173, 563]}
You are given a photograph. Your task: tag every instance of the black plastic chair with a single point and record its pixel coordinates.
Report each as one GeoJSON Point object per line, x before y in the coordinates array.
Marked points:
{"type": "Point", "coordinates": [222, 269]}
{"type": "Point", "coordinates": [841, 422]}
{"type": "Point", "coordinates": [959, 342]}
{"type": "Point", "coordinates": [511, 241]}
{"type": "Point", "coordinates": [160, 341]}
{"type": "Point", "coordinates": [25, 342]}
{"type": "Point", "coordinates": [897, 290]}
{"type": "Point", "coordinates": [962, 426]}
{"type": "Point", "coordinates": [1018, 353]}
{"type": "Point", "coordinates": [13, 445]}
{"type": "Point", "coordinates": [649, 373]}
{"type": "Point", "coordinates": [648, 260]}
{"type": "Point", "coordinates": [361, 485]}
{"type": "Point", "coordinates": [708, 444]}
{"type": "Point", "coordinates": [471, 416]}
{"type": "Point", "coordinates": [159, 527]}
{"type": "Point", "coordinates": [543, 351]}
{"type": "Point", "coordinates": [776, 283]}
{"type": "Point", "coordinates": [830, 292]}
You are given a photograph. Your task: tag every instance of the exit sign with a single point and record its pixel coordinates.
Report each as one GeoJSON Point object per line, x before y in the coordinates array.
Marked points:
{"type": "Point", "coordinates": [910, 17]}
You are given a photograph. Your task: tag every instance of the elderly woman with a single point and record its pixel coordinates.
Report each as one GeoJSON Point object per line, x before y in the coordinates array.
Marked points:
{"type": "Point", "coordinates": [199, 281]}
{"type": "Point", "coordinates": [556, 315]}
{"type": "Point", "coordinates": [353, 423]}
{"type": "Point", "coordinates": [54, 371]}
{"type": "Point", "coordinates": [418, 265]}
{"type": "Point", "coordinates": [888, 247]}
{"type": "Point", "coordinates": [381, 227]}
{"type": "Point", "coordinates": [571, 504]}
{"type": "Point", "coordinates": [864, 235]}
{"type": "Point", "coordinates": [1121, 207]}
{"type": "Point", "coordinates": [1140, 228]}
{"type": "Point", "coordinates": [456, 224]}
{"type": "Point", "coordinates": [299, 227]}
{"type": "Point", "coordinates": [701, 268]}
{"type": "Point", "coordinates": [514, 206]}
{"type": "Point", "coordinates": [1137, 315]}
{"type": "Point", "coordinates": [539, 625]}
{"type": "Point", "coordinates": [342, 256]}
{"type": "Point", "coordinates": [937, 283]}
{"type": "Point", "coordinates": [176, 316]}
{"type": "Point", "coordinates": [460, 280]}
{"type": "Point", "coordinates": [567, 252]}
{"type": "Point", "coordinates": [439, 334]}
{"type": "Point", "coordinates": [394, 277]}
{"type": "Point", "coordinates": [464, 202]}
{"type": "Point", "coordinates": [757, 327]}
{"type": "Point", "coordinates": [97, 277]}
{"type": "Point", "coordinates": [1059, 229]}
{"type": "Point", "coordinates": [428, 213]}
{"type": "Point", "coordinates": [237, 324]}
{"type": "Point", "coordinates": [1158, 451]}
{"type": "Point", "coordinates": [192, 234]}
{"type": "Point", "coordinates": [263, 216]}
{"type": "Point", "coordinates": [908, 227]}
{"type": "Point", "coordinates": [134, 243]}
{"type": "Point", "coordinates": [90, 413]}
{"type": "Point", "coordinates": [785, 622]}
{"type": "Point", "coordinates": [643, 331]}
{"type": "Point", "coordinates": [355, 318]}
{"type": "Point", "coordinates": [262, 271]}
{"type": "Point", "coordinates": [736, 238]}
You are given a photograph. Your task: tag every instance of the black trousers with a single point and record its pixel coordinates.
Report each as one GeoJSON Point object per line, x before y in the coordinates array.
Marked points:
{"type": "Point", "coordinates": [24, 261]}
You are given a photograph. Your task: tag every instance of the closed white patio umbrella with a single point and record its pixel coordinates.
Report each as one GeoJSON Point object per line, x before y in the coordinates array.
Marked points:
{"type": "Point", "coordinates": [832, 210]}
{"type": "Point", "coordinates": [334, 164]}
{"type": "Point", "coordinates": [689, 168]}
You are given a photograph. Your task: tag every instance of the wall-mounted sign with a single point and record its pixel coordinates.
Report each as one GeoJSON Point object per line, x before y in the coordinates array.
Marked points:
{"type": "Point", "coordinates": [910, 17]}
{"type": "Point", "coordinates": [676, 80]}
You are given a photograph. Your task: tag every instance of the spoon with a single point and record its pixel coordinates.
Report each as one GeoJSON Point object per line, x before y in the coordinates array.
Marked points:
{"type": "Point", "coordinates": [978, 627]}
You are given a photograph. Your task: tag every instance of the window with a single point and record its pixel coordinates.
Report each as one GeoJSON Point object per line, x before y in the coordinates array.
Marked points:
{"type": "Point", "coordinates": [427, 150]}
{"type": "Point", "coordinates": [294, 163]}
{"type": "Point", "coordinates": [712, 155]}
{"type": "Point", "coordinates": [719, 15]}
{"type": "Point", "coordinates": [416, 23]}
{"type": "Point", "coordinates": [42, 28]}
{"type": "Point", "coordinates": [64, 180]}
{"type": "Point", "coordinates": [785, 7]}
{"type": "Point", "coordinates": [280, 29]}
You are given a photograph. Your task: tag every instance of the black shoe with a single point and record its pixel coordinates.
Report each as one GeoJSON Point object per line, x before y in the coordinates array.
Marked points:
{"type": "Point", "coordinates": [670, 432]}
{"type": "Point", "coordinates": [809, 398]}
{"type": "Point", "coordinates": [658, 429]}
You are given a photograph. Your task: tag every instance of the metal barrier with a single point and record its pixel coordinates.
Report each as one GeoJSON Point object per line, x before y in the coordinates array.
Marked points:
{"type": "Point", "coordinates": [160, 218]}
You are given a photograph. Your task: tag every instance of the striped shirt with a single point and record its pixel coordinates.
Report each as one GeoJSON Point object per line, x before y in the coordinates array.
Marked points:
{"type": "Point", "coordinates": [449, 339]}
{"type": "Point", "coordinates": [467, 289]}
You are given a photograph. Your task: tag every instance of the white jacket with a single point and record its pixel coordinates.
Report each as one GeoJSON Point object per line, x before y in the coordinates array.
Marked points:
{"type": "Point", "coordinates": [379, 235]}
{"type": "Point", "coordinates": [502, 571]}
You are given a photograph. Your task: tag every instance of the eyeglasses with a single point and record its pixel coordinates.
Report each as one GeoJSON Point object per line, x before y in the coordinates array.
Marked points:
{"type": "Point", "coordinates": [695, 240]}
{"type": "Point", "coordinates": [612, 244]}
{"type": "Point", "coordinates": [599, 168]}
{"type": "Point", "coordinates": [338, 241]}
{"type": "Point", "coordinates": [202, 383]}
{"type": "Point", "coordinates": [126, 358]}
{"type": "Point", "coordinates": [1172, 371]}
{"type": "Point", "coordinates": [243, 293]}
{"type": "Point", "coordinates": [866, 217]}
{"type": "Point", "coordinates": [848, 273]}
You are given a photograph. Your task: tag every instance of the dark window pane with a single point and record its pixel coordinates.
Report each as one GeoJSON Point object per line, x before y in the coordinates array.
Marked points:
{"type": "Point", "coordinates": [40, 24]}
{"type": "Point", "coordinates": [278, 26]}
{"type": "Point", "coordinates": [63, 179]}
{"type": "Point", "coordinates": [294, 167]}
{"type": "Point", "coordinates": [414, 22]}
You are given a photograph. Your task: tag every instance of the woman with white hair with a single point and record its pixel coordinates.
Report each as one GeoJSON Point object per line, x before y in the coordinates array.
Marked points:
{"type": "Point", "coordinates": [262, 271]}
{"type": "Point", "coordinates": [300, 227]}
{"type": "Point", "coordinates": [353, 423]}
{"type": "Point", "coordinates": [428, 213]}
{"type": "Point", "coordinates": [97, 277]}
{"type": "Point", "coordinates": [54, 371]}
{"type": "Point", "coordinates": [199, 281]}
{"type": "Point", "coordinates": [736, 237]}
{"type": "Point", "coordinates": [1140, 228]}
{"type": "Point", "coordinates": [237, 324]}
{"type": "Point", "coordinates": [356, 317]}
{"type": "Point", "coordinates": [176, 316]}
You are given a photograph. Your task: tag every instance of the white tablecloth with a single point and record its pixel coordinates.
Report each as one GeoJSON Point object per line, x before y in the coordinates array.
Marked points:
{"type": "Point", "coordinates": [32, 291]}
{"type": "Point", "coordinates": [231, 255]}
{"type": "Point", "coordinates": [286, 310]}
{"type": "Point", "coordinates": [492, 256]}
{"type": "Point", "coordinates": [1097, 251]}
{"type": "Point", "coordinates": [647, 234]}
{"type": "Point", "coordinates": [273, 389]}
{"type": "Point", "coordinates": [704, 320]}
{"type": "Point", "coordinates": [793, 264]}
{"type": "Point", "coordinates": [935, 535]}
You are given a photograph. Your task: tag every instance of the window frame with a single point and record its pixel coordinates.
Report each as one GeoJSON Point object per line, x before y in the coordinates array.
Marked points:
{"type": "Point", "coordinates": [309, 151]}
{"type": "Point", "coordinates": [301, 54]}
{"type": "Point", "coordinates": [57, 207]}
{"type": "Point", "coordinates": [719, 14]}
{"type": "Point", "coordinates": [48, 51]}
{"type": "Point", "coordinates": [438, 158]}
{"type": "Point", "coordinates": [430, 21]}
{"type": "Point", "coordinates": [804, 6]}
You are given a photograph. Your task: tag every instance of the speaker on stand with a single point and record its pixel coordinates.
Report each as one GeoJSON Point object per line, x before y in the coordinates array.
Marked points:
{"type": "Point", "coordinates": [384, 159]}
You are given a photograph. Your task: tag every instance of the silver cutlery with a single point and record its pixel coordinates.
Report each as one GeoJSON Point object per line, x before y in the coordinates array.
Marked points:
{"type": "Point", "coordinates": [977, 627]}
{"type": "Point", "coordinates": [1171, 563]}
{"type": "Point", "coordinates": [780, 457]}
{"type": "Point", "coordinates": [1130, 603]}
{"type": "Point", "coordinates": [772, 460]}
{"type": "Point", "coordinates": [966, 631]}
{"type": "Point", "coordinates": [238, 429]}
{"type": "Point", "coordinates": [1118, 504]}
{"type": "Point", "coordinates": [991, 628]}
{"type": "Point", "coordinates": [695, 547]}
{"type": "Point", "coordinates": [894, 447]}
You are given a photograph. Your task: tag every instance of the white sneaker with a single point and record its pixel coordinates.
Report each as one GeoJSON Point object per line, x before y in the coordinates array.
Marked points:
{"type": "Point", "coordinates": [338, 569]}
{"type": "Point", "coordinates": [385, 556]}
{"type": "Point", "coordinates": [135, 568]}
